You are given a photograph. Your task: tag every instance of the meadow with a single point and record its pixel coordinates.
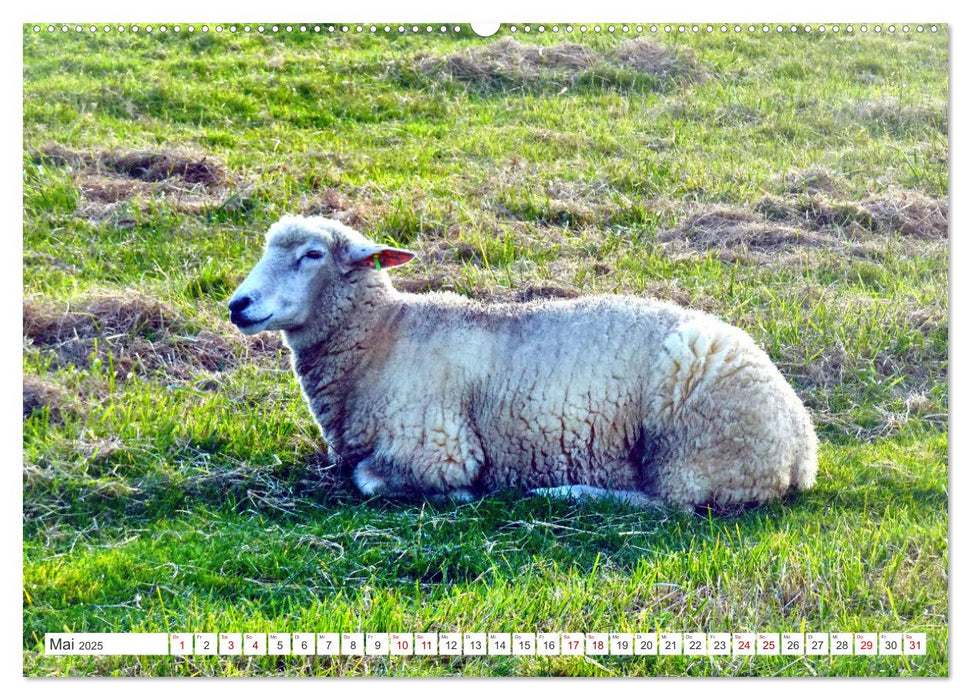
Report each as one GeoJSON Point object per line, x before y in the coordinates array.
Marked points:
{"type": "Point", "coordinates": [793, 184]}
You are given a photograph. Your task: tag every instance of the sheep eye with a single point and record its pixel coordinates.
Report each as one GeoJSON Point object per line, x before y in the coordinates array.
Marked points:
{"type": "Point", "coordinates": [312, 255]}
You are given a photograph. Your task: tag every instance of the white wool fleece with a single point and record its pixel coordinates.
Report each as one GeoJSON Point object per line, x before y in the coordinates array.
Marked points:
{"type": "Point", "coordinates": [440, 395]}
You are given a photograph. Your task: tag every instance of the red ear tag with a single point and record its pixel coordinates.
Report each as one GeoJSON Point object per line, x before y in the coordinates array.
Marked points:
{"type": "Point", "coordinates": [396, 257]}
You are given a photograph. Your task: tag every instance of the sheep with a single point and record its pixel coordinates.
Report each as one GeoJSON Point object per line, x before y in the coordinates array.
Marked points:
{"type": "Point", "coordinates": [605, 397]}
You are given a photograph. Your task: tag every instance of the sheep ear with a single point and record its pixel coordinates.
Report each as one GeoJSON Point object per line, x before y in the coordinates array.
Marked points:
{"type": "Point", "coordinates": [374, 256]}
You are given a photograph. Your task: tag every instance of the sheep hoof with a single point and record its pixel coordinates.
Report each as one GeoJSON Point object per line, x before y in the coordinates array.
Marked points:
{"type": "Point", "coordinates": [585, 494]}
{"type": "Point", "coordinates": [456, 496]}
{"type": "Point", "coordinates": [369, 483]}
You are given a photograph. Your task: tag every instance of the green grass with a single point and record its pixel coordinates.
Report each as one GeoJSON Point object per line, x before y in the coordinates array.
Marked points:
{"type": "Point", "coordinates": [175, 481]}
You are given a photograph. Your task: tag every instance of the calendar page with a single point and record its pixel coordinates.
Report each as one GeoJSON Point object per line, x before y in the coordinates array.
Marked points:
{"type": "Point", "coordinates": [520, 349]}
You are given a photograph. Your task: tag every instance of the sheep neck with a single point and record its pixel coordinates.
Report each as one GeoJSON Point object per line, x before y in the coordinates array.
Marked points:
{"type": "Point", "coordinates": [333, 352]}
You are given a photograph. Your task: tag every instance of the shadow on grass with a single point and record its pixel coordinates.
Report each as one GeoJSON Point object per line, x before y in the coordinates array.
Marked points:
{"type": "Point", "coordinates": [294, 533]}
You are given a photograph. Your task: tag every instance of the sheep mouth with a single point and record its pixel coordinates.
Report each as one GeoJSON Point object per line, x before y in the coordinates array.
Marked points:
{"type": "Point", "coordinates": [242, 322]}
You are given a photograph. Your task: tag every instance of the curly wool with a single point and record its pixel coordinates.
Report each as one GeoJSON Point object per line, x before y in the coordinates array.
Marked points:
{"type": "Point", "coordinates": [441, 395]}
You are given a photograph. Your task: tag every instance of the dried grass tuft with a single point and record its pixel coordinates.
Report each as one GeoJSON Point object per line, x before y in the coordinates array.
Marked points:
{"type": "Point", "coordinates": [779, 229]}
{"type": "Point", "coordinates": [184, 181]}
{"type": "Point", "coordinates": [507, 59]}
{"type": "Point", "coordinates": [425, 283]}
{"type": "Point", "coordinates": [545, 290]}
{"type": "Point", "coordinates": [507, 62]}
{"type": "Point", "coordinates": [658, 60]}
{"type": "Point", "coordinates": [909, 214]}
{"type": "Point", "coordinates": [894, 115]}
{"type": "Point", "coordinates": [815, 212]}
{"type": "Point", "coordinates": [103, 316]}
{"type": "Point", "coordinates": [147, 166]}
{"type": "Point", "coordinates": [334, 204]}
{"type": "Point", "coordinates": [811, 181]}
{"type": "Point", "coordinates": [732, 230]}
{"type": "Point", "coordinates": [137, 334]}
{"type": "Point", "coordinates": [40, 394]}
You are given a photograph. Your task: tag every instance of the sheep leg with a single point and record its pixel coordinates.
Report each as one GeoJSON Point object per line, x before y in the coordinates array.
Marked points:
{"type": "Point", "coordinates": [456, 496]}
{"type": "Point", "coordinates": [736, 433]}
{"type": "Point", "coordinates": [582, 493]}
{"type": "Point", "coordinates": [369, 481]}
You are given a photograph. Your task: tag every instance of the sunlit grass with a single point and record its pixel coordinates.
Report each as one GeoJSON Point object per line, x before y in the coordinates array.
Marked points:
{"type": "Point", "coordinates": [162, 494]}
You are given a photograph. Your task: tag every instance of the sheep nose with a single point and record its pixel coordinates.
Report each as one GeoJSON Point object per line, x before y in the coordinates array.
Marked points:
{"type": "Point", "coordinates": [239, 303]}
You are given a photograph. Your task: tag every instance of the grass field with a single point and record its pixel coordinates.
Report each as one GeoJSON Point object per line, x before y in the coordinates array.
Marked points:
{"type": "Point", "coordinates": [174, 480]}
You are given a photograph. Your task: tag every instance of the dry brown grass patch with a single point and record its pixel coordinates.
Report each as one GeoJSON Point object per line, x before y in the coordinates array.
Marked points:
{"type": "Point", "coordinates": [575, 269]}
{"type": "Point", "coordinates": [803, 226]}
{"type": "Point", "coordinates": [419, 284]}
{"type": "Point", "coordinates": [546, 290]}
{"type": "Point", "coordinates": [926, 320]}
{"type": "Point", "coordinates": [104, 315]}
{"type": "Point", "coordinates": [136, 334]}
{"type": "Point", "coordinates": [40, 394]}
{"type": "Point", "coordinates": [444, 264]}
{"type": "Point", "coordinates": [537, 291]}
{"type": "Point", "coordinates": [815, 212]}
{"type": "Point", "coordinates": [103, 195]}
{"type": "Point", "coordinates": [735, 232]}
{"type": "Point", "coordinates": [811, 181]}
{"type": "Point", "coordinates": [147, 166]}
{"type": "Point", "coordinates": [658, 60]}
{"type": "Point", "coordinates": [909, 214]}
{"type": "Point", "coordinates": [507, 61]}
{"type": "Point", "coordinates": [334, 204]}
{"type": "Point", "coordinates": [185, 181]}
{"type": "Point", "coordinates": [893, 114]}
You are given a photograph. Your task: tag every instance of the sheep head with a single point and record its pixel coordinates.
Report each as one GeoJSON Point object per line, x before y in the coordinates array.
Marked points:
{"type": "Point", "coordinates": [308, 261]}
